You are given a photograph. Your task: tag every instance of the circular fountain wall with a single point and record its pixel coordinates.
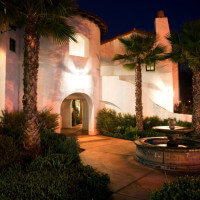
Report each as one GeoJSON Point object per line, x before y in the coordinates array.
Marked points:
{"type": "Point", "coordinates": [155, 153]}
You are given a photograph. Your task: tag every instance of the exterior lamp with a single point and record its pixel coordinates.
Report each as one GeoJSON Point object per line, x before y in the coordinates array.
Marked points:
{"type": "Point", "coordinates": [150, 67]}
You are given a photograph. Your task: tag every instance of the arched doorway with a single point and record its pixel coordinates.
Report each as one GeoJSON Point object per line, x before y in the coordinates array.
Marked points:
{"type": "Point", "coordinates": [75, 114]}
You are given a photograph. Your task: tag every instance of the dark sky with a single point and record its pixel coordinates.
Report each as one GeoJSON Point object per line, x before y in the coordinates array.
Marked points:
{"type": "Point", "coordinates": [123, 15]}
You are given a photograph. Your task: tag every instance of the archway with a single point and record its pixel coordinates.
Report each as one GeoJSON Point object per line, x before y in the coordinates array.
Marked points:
{"type": "Point", "coordinates": [76, 114]}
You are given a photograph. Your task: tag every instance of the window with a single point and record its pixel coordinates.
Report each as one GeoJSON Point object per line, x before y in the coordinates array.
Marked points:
{"type": "Point", "coordinates": [150, 67]}
{"type": "Point", "coordinates": [12, 44]}
{"type": "Point", "coordinates": [79, 48]}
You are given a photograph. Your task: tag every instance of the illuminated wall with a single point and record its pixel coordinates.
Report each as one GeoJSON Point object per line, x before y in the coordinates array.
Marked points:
{"type": "Point", "coordinates": [80, 47]}
{"type": "Point", "coordinates": [160, 87]}
{"type": "Point", "coordinates": [13, 66]}
{"type": "Point", "coordinates": [9, 72]}
{"type": "Point", "coordinates": [74, 69]}
{"type": "Point", "coordinates": [62, 74]}
{"type": "Point", "coordinates": [2, 71]}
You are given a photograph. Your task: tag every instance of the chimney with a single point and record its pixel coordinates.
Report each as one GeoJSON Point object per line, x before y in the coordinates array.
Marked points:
{"type": "Point", "coordinates": [160, 14]}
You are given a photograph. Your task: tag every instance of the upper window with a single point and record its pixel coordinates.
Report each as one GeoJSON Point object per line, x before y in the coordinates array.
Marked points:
{"type": "Point", "coordinates": [150, 67]}
{"type": "Point", "coordinates": [79, 48]}
{"type": "Point", "coordinates": [12, 45]}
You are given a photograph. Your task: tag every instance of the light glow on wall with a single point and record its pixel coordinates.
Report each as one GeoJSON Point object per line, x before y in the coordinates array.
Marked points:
{"type": "Point", "coordinates": [160, 92]}
{"type": "Point", "coordinates": [79, 48]}
{"type": "Point", "coordinates": [2, 78]}
{"type": "Point", "coordinates": [77, 79]}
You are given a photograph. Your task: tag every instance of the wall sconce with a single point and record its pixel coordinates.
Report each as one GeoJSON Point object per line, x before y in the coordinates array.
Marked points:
{"type": "Point", "coordinates": [150, 67]}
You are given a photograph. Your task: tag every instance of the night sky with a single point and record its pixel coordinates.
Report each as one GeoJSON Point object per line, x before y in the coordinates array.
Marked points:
{"type": "Point", "coordinates": [122, 16]}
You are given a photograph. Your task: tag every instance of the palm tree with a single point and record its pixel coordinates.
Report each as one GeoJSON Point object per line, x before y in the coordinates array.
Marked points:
{"type": "Point", "coordinates": [139, 50]}
{"type": "Point", "coordinates": [40, 18]}
{"type": "Point", "coordinates": [186, 49]}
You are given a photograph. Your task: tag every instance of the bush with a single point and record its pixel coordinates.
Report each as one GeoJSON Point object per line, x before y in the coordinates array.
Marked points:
{"type": "Point", "coordinates": [12, 123]}
{"type": "Point", "coordinates": [47, 120]}
{"type": "Point", "coordinates": [183, 108]}
{"type": "Point", "coordinates": [149, 122]}
{"type": "Point", "coordinates": [126, 121]}
{"type": "Point", "coordinates": [183, 188]}
{"type": "Point", "coordinates": [114, 124]}
{"type": "Point", "coordinates": [53, 177]}
{"type": "Point", "coordinates": [9, 153]}
{"type": "Point", "coordinates": [107, 121]}
{"type": "Point", "coordinates": [53, 143]}
{"type": "Point", "coordinates": [184, 124]}
{"type": "Point", "coordinates": [149, 133]}
{"type": "Point", "coordinates": [57, 174]}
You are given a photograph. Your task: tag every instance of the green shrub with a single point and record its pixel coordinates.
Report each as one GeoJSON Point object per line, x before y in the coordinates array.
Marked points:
{"type": "Point", "coordinates": [47, 120]}
{"type": "Point", "coordinates": [149, 133]}
{"type": "Point", "coordinates": [183, 108]}
{"type": "Point", "coordinates": [96, 182]}
{"type": "Point", "coordinates": [57, 174]}
{"type": "Point", "coordinates": [149, 122]}
{"type": "Point", "coordinates": [184, 188]}
{"type": "Point", "coordinates": [184, 124]}
{"type": "Point", "coordinates": [12, 120]}
{"type": "Point", "coordinates": [9, 153]}
{"type": "Point", "coordinates": [58, 143]}
{"type": "Point", "coordinates": [53, 177]}
{"type": "Point", "coordinates": [12, 123]}
{"type": "Point", "coordinates": [114, 124]}
{"type": "Point", "coordinates": [126, 121]}
{"type": "Point", "coordinates": [107, 121]}
{"type": "Point", "coordinates": [131, 133]}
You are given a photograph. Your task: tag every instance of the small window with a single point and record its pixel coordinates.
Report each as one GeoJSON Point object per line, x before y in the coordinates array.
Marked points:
{"type": "Point", "coordinates": [12, 44]}
{"type": "Point", "coordinates": [150, 67]}
{"type": "Point", "coordinates": [79, 48]}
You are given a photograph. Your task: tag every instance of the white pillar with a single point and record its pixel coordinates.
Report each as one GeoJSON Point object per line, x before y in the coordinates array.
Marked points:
{"type": "Point", "coordinates": [66, 112]}
{"type": "Point", "coordinates": [85, 115]}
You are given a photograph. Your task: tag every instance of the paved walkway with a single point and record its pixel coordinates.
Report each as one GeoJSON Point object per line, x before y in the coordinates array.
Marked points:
{"type": "Point", "coordinates": [129, 179]}
{"type": "Point", "coordinates": [74, 131]}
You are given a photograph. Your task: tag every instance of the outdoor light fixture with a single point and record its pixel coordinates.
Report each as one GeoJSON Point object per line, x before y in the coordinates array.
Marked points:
{"type": "Point", "coordinates": [150, 67]}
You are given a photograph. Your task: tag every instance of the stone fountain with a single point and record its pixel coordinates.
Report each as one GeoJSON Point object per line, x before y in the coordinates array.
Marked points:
{"type": "Point", "coordinates": [173, 152]}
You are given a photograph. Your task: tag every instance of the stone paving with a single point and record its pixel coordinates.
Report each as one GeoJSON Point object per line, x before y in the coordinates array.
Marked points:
{"type": "Point", "coordinates": [129, 179]}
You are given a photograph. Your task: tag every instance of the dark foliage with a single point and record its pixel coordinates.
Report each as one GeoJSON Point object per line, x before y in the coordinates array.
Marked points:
{"type": "Point", "coordinates": [12, 123]}
{"type": "Point", "coordinates": [9, 153]}
{"type": "Point", "coordinates": [110, 123]}
{"type": "Point", "coordinates": [184, 188]}
{"type": "Point", "coordinates": [56, 174]}
{"type": "Point", "coordinates": [53, 177]}
{"type": "Point", "coordinates": [184, 107]}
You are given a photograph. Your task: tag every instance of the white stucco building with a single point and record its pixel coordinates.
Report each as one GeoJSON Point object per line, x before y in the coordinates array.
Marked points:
{"type": "Point", "coordinates": [85, 71]}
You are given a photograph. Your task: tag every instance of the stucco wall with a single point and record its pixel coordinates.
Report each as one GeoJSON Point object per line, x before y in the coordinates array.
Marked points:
{"type": "Point", "coordinates": [61, 74]}
{"type": "Point", "coordinates": [9, 72]}
{"type": "Point", "coordinates": [12, 73]}
{"type": "Point", "coordinates": [163, 31]}
{"type": "Point", "coordinates": [160, 87]}
{"type": "Point", "coordinates": [3, 39]}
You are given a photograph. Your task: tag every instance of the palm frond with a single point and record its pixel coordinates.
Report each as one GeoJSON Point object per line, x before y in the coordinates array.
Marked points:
{"type": "Point", "coordinates": [141, 49]}
{"type": "Point", "coordinates": [129, 66]}
{"type": "Point", "coordinates": [57, 28]}
{"type": "Point", "coordinates": [125, 57]}
{"type": "Point", "coordinates": [177, 53]}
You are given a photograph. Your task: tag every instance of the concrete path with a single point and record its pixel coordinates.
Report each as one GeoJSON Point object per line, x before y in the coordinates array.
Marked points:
{"type": "Point", "coordinates": [74, 131]}
{"type": "Point", "coordinates": [129, 179]}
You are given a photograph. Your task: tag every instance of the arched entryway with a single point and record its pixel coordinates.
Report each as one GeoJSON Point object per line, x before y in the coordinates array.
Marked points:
{"type": "Point", "coordinates": [76, 114]}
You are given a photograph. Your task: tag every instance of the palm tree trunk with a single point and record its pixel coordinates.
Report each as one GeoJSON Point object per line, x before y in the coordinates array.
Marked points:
{"type": "Point", "coordinates": [138, 96]}
{"type": "Point", "coordinates": [196, 102]}
{"type": "Point", "coordinates": [31, 63]}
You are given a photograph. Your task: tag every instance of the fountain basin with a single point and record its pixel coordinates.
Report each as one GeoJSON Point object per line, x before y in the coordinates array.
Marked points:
{"type": "Point", "coordinates": [155, 153]}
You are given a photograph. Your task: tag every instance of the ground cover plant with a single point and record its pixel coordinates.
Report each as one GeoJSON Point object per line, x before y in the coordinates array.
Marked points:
{"type": "Point", "coordinates": [184, 188]}
{"type": "Point", "coordinates": [113, 124]}
{"type": "Point", "coordinates": [57, 173]}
